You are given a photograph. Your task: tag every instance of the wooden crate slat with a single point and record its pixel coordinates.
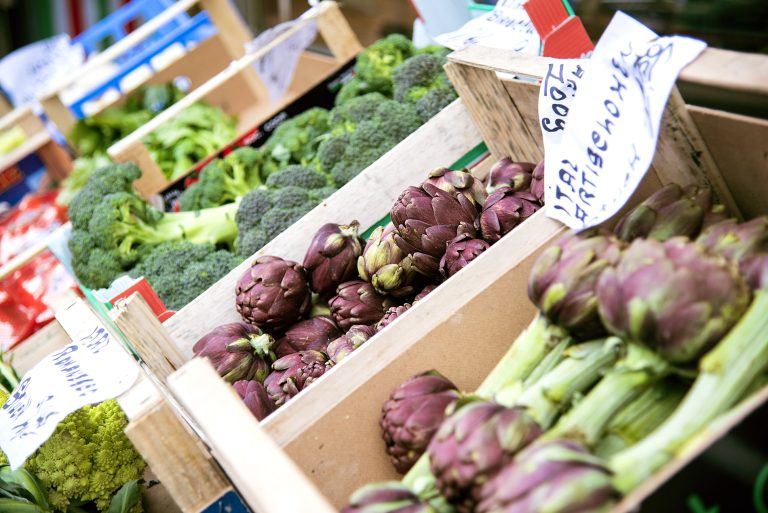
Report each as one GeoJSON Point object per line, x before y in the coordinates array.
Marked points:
{"type": "Point", "coordinates": [367, 198]}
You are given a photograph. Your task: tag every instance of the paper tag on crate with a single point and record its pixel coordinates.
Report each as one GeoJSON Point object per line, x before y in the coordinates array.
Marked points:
{"type": "Point", "coordinates": [276, 68]}
{"type": "Point", "coordinates": [507, 26]}
{"type": "Point", "coordinates": [600, 142]}
{"type": "Point", "coordinates": [90, 370]}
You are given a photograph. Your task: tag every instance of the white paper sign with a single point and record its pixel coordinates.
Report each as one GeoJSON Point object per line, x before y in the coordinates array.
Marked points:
{"type": "Point", "coordinates": [90, 370]}
{"type": "Point", "coordinates": [508, 26]}
{"type": "Point", "coordinates": [31, 70]}
{"type": "Point", "coordinates": [277, 66]}
{"type": "Point", "coordinates": [596, 160]}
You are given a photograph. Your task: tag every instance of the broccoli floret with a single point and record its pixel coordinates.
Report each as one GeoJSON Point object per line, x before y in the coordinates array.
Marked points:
{"type": "Point", "coordinates": [88, 458]}
{"type": "Point", "coordinates": [376, 63]}
{"type": "Point", "coordinates": [440, 51]}
{"type": "Point", "coordinates": [419, 75]}
{"type": "Point", "coordinates": [252, 208]}
{"type": "Point", "coordinates": [434, 101]}
{"type": "Point", "coordinates": [297, 176]}
{"type": "Point", "coordinates": [125, 228]}
{"type": "Point", "coordinates": [223, 181]}
{"type": "Point", "coordinates": [278, 219]}
{"type": "Point", "coordinates": [318, 195]}
{"type": "Point", "coordinates": [295, 140]}
{"type": "Point", "coordinates": [367, 136]}
{"type": "Point", "coordinates": [291, 196]}
{"type": "Point", "coordinates": [103, 181]}
{"type": "Point", "coordinates": [191, 198]}
{"type": "Point", "coordinates": [352, 89]}
{"type": "Point", "coordinates": [250, 242]}
{"type": "Point", "coordinates": [179, 271]}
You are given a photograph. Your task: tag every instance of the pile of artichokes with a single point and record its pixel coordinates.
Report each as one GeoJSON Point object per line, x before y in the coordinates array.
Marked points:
{"type": "Point", "coordinates": [644, 336]}
{"type": "Point", "coordinates": [299, 320]}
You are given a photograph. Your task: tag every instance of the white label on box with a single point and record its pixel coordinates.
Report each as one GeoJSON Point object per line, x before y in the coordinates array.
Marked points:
{"type": "Point", "coordinates": [597, 159]}
{"type": "Point", "coordinates": [31, 70]}
{"type": "Point", "coordinates": [508, 26]}
{"type": "Point", "coordinates": [276, 68]}
{"type": "Point", "coordinates": [90, 370]}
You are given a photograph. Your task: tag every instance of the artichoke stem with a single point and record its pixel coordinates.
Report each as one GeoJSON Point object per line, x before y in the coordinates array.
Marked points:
{"type": "Point", "coordinates": [523, 356]}
{"type": "Point", "coordinates": [584, 364]}
{"type": "Point", "coordinates": [641, 417]}
{"type": "Point", "coordinates": [624, 383]}
{"type": "Point", "coordinates": [726, 373]}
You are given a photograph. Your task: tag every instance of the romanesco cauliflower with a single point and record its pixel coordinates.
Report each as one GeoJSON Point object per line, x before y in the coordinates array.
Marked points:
{"type": "Point", "coordinates": [88, 457]}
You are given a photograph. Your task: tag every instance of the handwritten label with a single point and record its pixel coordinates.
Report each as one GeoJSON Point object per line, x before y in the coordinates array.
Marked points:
{"type": "Point", "coordinates": [277, 66]}
{"type": "Point", "coordinates": [596, 160]}
{"type": "Point", "coordinates": [508, 26]}
{"type": "Point", "coordinates": [31, 70]}
{"type": "Point", "coordinates": [90, 370]}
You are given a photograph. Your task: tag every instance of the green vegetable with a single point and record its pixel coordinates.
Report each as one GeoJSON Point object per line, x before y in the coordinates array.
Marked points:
{"type": "Point", "coordinates": [88, 457]}
{"type": "Point", "coordinates": [298, 176]}
{"type": "Point", "coordinates": [113, 229]}
{"type": "Point", "coordinates": [422, 82]}
{"type": "Point", "coordinates": [295, 141]}
{"type": "Point", "coordinates": [94, 134]}
{"type": "Point", "coordinates": [82, 169]}
{"type": "Point", "coordinates": [193, 134]}
{"type": "Point", "coordinates": [224, 180]}
{"type": "Point", "coordinates": [376, 64]}
{"type": "Point", "coordinates": [362, 130]}
{"type": "Point", "coordinates": [179, 271]}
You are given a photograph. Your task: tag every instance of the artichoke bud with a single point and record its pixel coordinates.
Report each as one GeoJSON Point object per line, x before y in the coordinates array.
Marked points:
{"type": "Point", "coordinates": [459, 181]}
{"type": "Point", "coordinates": [332, 256]}
{"type": "Point", "coordinates": [537, 182]}
{"type": "Point", "coordinates": [515, 175]}
{"type": "Point", "coordinates": [387, 497]}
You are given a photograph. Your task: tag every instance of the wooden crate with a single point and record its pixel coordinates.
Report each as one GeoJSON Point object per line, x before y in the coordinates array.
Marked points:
{"type": "Point", "coordinates": [198, 64]}
{"type": "Point", "coordinates": [238, 91]}
{"type": "Point", "coordinates": [173, 447]}
{"type": "Point", "coordinates": [38, 141]}
{"type": "Point", "coordinates": [463, 327]}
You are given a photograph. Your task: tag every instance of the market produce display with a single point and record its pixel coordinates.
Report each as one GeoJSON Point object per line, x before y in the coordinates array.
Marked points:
{"type": "Point", "coordinates": [87, 464]}
{"type": "Point", "coordinates": [657, 329]}
{"type": "Point", "coordinates": [319, 312]}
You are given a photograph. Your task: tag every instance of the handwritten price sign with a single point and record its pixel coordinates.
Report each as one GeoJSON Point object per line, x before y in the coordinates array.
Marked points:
{"type": "Point", "coordinates": [600, 119]}
{"type": "Point", "coordinates": [90, 370]}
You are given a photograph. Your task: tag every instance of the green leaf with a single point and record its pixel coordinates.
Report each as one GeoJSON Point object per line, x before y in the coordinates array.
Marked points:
{"type": "Point", "coordinates": [27, 481]}
{"type": "Point", "coordinates": [126, 497]}
{"type": "Point", "coordinates": [17, 506]}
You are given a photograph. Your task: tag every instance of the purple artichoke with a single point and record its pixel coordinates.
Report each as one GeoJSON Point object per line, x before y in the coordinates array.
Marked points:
{"type": "Point", "coordinates": [537, 182]}
{"type": "Point", "coordinates": [755, 271]}
{"type": "Point", "coordinates": [669, 212]}
{"type": "Point", "coordinates": [332, 257]}
{"type": "Point", "coordinates": [273, 293]}
{"type": "Point", "coordinates": [459, 181]}
{"type": "Point", "coordinates": [292, 373]}
{"type": "Point", "coordinates": [671, 296]}
{"type": "Point", "coordinates": [388, 497]}
{"type": "Point", "coordinates": [356, 302]}
{"type": "Point", "coordinates": [461, 251]}
{"type": "Point", "coordinates": [255, 397]}
{"type": "Point", "coordinates": [314, 333]}
{"type": "Point", "coordinates": [391, 314]}
{"type": "Point", "coordinates": [504, 210]}
{"type": "Point", "coordinates": [558, 476]}
{"type": "Point", "coordinates": [237, 351]}
{"type": "Point", "coordinates": [742, 243]}
{"type": "Point", "coordinates": [515, 175]}
{"type": "Point", "coordinates": [427, 218]}
{"type": "Point", "coordinates": [473, 444]}
{"type": "Point", "coordinates": [563, 279]}
{"type": "Point", "coordinates": [424, 292]}
{"type": "Point", "coordinates": [412, 414]}
{"type": "Point", "coordinates": [354, 338]}
{"type": "Point", "coordinates": [384, 264]}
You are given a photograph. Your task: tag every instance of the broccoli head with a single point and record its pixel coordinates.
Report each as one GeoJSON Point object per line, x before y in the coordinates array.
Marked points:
{"type": "Point", "coordinates": [279, 219]}
{"type": "Point", "coordinates": [252, 208]}
{"type": "Point", "coordinates": [124, 229]}
{"type": "Point", "coordinates": [376, 64]}
{"type": "Point", "coordinates": [250, 242]}
{"type": "Point", "coordinates": [179, 271]}
{"type": "Point", "coordinates": [295, 140]}
{"type": "Point", "coordinates": [434, 101]}
{"type": "Point", "coordinates": [297, 176]}
{"type": "Point", "coordinates": [88, 458]}
{"type": "Point", "coordinates": [422, 82]}
{"type": "Point", "coordinates": [373, 125]}
{"type": "Point", "coordinates": [224, 180]}
{"type": "Point", "coordinates": [355, 87]}
{"type": "Point", "coordinates": [102, 181]}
